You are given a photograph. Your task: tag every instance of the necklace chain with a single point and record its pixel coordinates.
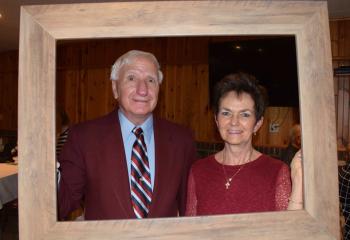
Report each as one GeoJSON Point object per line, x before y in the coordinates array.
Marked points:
{"type": "Point", "coordinates": [229, 180]}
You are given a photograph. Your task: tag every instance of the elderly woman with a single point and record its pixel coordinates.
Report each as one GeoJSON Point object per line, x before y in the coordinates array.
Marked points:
{"type": "Point", "coordinates": [240, 179]}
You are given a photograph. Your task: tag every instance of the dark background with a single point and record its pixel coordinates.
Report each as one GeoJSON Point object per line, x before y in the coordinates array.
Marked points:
{"type": "Point", "coordinates": [271, 60]}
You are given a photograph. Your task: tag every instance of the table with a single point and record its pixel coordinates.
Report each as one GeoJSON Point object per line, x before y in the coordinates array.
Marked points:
{"type": "Point", "coordinates": [8, 183]}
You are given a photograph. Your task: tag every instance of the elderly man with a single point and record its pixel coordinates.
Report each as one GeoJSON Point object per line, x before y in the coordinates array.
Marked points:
{"type": "Point", "coordinates": [127, 164]}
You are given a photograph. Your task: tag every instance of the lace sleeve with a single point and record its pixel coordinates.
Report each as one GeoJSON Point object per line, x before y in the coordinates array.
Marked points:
{"type": "Point", "coordinates": [283, 188]}
{"type": "Point", "coordinates": [191, 203]}
{"type": "Point", "coordinates": [344, 189]}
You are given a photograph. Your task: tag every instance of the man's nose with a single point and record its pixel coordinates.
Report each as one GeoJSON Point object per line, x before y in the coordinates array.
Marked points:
{"type": "Point", "coordinates": [142, 88]}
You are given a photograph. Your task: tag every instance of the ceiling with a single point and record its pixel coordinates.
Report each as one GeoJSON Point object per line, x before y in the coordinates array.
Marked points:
{"type": "Point", "coordinates": [9, 22]}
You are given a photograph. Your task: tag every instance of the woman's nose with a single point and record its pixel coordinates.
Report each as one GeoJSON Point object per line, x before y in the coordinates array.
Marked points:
{"type": "Point", "coordinates": [234, 119]}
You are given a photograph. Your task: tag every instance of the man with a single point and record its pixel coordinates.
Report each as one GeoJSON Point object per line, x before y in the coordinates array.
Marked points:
{"type": "Point", "coordinates": [118, 170]}
{"type": "Point", "coordinates": [294, 144]}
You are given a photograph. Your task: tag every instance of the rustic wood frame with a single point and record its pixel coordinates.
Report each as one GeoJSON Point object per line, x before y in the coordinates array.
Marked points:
{"type": "Point", "coordinates": [42, 26]}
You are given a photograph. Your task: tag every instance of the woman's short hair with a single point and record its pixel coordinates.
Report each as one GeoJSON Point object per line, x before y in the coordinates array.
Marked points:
{"type": "Point", "coordinates": [241, 83]}
{"type": "Point", "coordinates": [128, 58]}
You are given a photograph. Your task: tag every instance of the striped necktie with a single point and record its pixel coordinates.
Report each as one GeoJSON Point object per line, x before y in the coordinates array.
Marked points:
{"type": "Point", "coordinates": [141, 188]}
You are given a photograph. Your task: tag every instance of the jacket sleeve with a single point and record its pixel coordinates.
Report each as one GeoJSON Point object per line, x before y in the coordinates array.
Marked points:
{"type": "Point", "coordinates": [190, 157]}
{"type": "Point", "coordinates": [72, 176]}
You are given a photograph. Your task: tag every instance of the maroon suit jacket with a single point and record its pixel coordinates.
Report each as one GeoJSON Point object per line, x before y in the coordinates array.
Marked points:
{"type": "Point", "coordinates": [94, 170]}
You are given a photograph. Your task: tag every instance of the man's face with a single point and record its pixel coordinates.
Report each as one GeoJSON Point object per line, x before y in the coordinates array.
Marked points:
{"type": "Point", "coordinates": [137, 89]}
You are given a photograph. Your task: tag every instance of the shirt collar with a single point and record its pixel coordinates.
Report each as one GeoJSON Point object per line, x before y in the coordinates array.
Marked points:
{"type": "Point", "coordinates": [127, 126]}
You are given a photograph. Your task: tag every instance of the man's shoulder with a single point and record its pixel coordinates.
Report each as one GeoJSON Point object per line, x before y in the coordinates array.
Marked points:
{"type": "Point", "coordinates": [179, 134]}
{"type": "Point", "coordinates": [96, 124]}
{"type": "Point", "coordinates": [171, 126]}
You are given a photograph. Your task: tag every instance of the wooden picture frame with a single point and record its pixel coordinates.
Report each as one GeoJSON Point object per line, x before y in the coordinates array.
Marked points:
{"type": "Point", "coordinates": [42, 26]}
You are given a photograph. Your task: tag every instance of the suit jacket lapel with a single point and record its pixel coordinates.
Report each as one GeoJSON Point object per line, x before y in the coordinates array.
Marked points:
{"type": "Point", "coordinates": [161, 143]}
{"type": "Point", "coordinates": [120, 178]}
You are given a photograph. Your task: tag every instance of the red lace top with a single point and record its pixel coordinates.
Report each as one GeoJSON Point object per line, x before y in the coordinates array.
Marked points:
{"type": "Point", "coordinates": [260, 185]}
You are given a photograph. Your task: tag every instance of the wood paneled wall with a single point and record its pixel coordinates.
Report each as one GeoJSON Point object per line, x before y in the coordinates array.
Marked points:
{"type": "Point", "coordinates": [84, 88]}
{"type": "Point", "coordinates": [8, 90]}
{"type": "Point", "coordinates": [340, 40]}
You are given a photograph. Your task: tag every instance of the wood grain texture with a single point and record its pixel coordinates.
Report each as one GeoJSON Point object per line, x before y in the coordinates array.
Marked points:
{"type": "Point", "coordinates": [340, 42]}
{"type": "Point", "coordinates": [184, 93]}
{"type": "Point", "coordinates": [73, 57]}
{"type": "Point", "coordinates": [76, 59]}
{"type": "Point", "coordinates": [36, 129]}
{"type": "Point", "coordinates": [264, 226]}
{"type": "Point", "coordinates": [317, 117]}
{"type": "Point", "coordinates": [111, 20]}
{"type": "Point", "coordinates": [41, 26]}
{"type": "Point", "coordinates": [286, 117]}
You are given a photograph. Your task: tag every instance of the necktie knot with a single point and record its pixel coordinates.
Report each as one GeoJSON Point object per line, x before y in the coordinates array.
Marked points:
{"type": "Point", "coordinates": [137, 131]}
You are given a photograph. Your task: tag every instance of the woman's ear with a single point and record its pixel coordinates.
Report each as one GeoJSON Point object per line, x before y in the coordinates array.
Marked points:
{"type": "Point", "coordinates": [258, 124]}
{"type": "Point", "coordinates": [216, 120]}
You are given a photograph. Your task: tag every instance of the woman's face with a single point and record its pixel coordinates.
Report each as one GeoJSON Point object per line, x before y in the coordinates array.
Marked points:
{"type": "Point", "coordinates": [236, 120]}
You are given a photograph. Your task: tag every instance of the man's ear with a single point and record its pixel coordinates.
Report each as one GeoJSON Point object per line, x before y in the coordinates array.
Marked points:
{"type": "Point", "coordinates": [258, 124]}
{"type": "Point", "coordinates": [115, 89]}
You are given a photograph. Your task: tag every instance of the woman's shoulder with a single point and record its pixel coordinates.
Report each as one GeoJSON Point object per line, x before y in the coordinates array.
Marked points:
{"type": "Point", "coordinates": [272, 162]}
{"type": "Point", "coordinates": [271, 166]}
{"type": "Point", "coordinates": [204, 162]}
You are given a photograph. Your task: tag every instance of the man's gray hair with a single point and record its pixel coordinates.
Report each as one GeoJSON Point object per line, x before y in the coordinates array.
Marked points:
{"type": "Point", "coordinates": [128, 58]}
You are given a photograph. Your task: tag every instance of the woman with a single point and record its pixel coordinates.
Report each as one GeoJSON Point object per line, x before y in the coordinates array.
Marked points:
{"type": "Point", "coordinates": [240, 179]}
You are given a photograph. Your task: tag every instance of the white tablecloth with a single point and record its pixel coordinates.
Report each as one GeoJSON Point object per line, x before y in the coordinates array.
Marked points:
{"type": "Point", "coordinates": [8, 183]}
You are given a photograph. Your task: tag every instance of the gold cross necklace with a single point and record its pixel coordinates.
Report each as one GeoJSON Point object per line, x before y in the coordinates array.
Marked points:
{"type": "Point", "coordinates": [229, 180]}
